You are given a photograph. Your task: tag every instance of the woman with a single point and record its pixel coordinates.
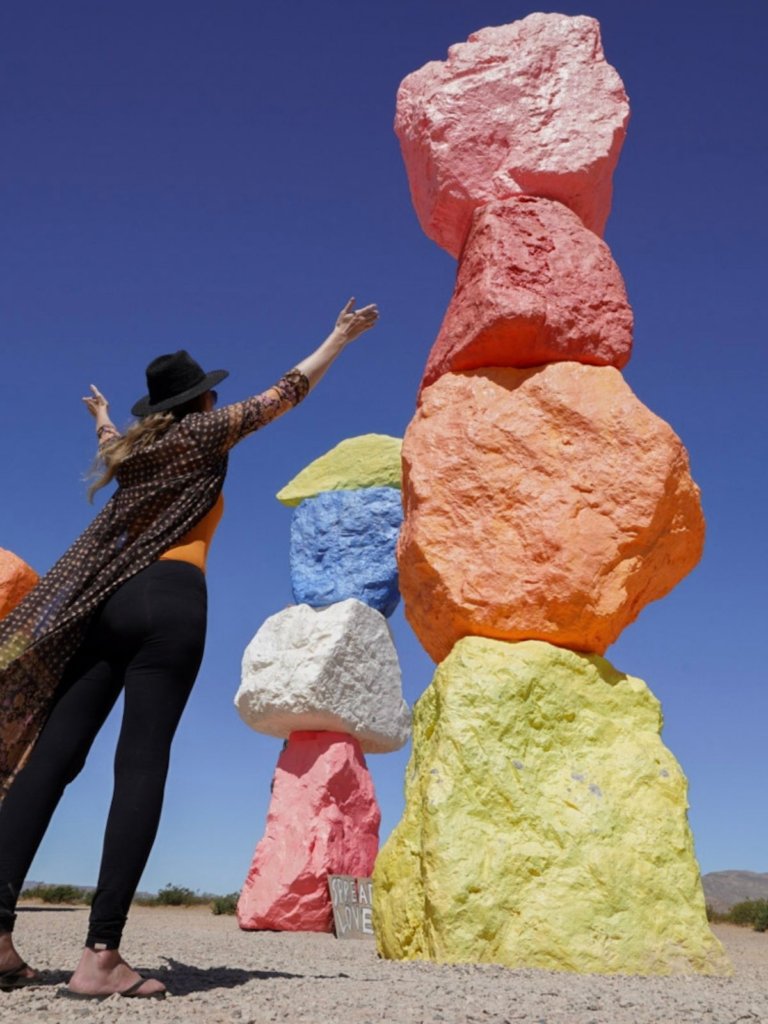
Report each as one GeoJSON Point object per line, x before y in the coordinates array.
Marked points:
{"type": "Point", "coordinates": [124, 609]}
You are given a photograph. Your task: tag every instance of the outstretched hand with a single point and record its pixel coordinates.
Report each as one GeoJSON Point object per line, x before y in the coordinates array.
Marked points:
{"type": "Point", "coordinates": [351, 322]}
{"type": "Point", "coordinates": [96, 402]}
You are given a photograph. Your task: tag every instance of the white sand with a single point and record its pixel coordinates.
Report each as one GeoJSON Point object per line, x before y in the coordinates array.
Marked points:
{"type": "Point", "coordinates": [219, 974]}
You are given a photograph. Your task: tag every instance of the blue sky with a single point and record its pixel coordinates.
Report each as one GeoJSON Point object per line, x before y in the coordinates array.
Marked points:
{"type": "Point", "coordinates": [222, 176]}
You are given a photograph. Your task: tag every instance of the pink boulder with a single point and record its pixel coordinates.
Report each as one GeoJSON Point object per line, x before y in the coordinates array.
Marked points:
{"type": "Point", "coordinates": [541, 504]}
{"type": "Point", "coordinates": [529, 108]}
{"type": "Point", "coordinates": [16, 580]}
{"type": "Point", "coordinates": [323, 819]}
{"type": "Point", "coordinates": [534, 286]}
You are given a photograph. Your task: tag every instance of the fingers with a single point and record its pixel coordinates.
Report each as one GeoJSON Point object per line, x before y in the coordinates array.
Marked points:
{"type": "Point", "coordinates": [364, 310]}
{"type": "Point", "coordinates": [355, 321]}
{"type": "Point", "coordinates": [368, 317]}
{"type": "Point", "coordinates": [366, 314]}
{"type": "Point", "coordinates": [95, 400]}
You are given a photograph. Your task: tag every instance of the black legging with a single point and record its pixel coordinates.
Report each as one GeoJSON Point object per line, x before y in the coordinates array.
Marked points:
{"type": "Point", "coordinates": [148, 637]}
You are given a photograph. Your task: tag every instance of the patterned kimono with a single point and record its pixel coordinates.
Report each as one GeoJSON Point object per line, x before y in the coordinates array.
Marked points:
{"type": "Point", "coordinates": [163, 490]}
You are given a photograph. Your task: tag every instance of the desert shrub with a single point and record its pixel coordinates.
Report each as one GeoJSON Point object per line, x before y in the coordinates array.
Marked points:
{"type": "Point", "coordinates": [177, 896]}
{"type": "Point", "coordinates": [57, 894]}
{"type": "Point", "coordinates": [760, 922]}
{"type": "Point", "coordinates": [225, 904]}
{"type": "Point", "coordinates": [34, 892]}
{"type": "Point", "coordinates": [145, 899]}
{"type": "Point", "coordinates": [749, 912]}
{"type": "Point", "coordinates": [716, 916]}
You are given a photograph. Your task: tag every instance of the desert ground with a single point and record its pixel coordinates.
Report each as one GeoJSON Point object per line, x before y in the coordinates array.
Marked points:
{"type": "Point", "coordinates": [217, 974]}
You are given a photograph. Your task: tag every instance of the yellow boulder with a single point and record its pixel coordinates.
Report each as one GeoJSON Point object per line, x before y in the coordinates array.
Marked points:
{"type": "Point", "coordinates": [370, 460]}
{"type": "Point", "coordinates": [545, 823]}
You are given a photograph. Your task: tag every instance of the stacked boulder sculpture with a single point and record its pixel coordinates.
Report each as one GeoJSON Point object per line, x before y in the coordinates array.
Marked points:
{"type": "Point", "coordinates": [545, 506]}
{"type": "Point", "coordinates": [16, 580]}
{"type": "Point", "coordinates": [324, 675]}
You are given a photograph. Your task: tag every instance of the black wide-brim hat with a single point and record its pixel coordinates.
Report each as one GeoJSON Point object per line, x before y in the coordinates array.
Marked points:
{"type": "Point", "coordinates": [173, 380]}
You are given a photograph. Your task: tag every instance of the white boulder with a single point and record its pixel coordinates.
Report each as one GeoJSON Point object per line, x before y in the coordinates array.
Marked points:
{"type": "Point", "coordinates": [333, 668]}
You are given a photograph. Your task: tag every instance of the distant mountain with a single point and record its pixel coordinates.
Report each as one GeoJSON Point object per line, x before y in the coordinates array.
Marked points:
{"type": "Point", "coordinates": [724, 888]}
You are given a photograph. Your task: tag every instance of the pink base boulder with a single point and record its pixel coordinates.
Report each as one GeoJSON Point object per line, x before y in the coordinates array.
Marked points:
{"type": "Point", "coordinates": [323, 819]}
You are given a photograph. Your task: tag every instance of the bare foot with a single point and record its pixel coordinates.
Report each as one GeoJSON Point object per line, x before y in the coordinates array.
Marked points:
{"type": "Point", "coordinates": [10, 959]}
{"type": "Point", "coordinates": [105, 972]}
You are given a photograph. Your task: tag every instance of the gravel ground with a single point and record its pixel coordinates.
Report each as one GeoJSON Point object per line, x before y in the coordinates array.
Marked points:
{"type": "Point", "coordinates": [220, 975]}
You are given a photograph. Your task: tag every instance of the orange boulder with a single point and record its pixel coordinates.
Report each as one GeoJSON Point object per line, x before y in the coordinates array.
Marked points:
{"type": "Point", "coordinates": [16, 579]}
{"type": "Point", "coordinates": [545, 503]}
{"type": "Point", "coordinates": [534, 286]}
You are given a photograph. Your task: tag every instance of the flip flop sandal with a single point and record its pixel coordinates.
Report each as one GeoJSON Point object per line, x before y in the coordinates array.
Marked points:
{"type": "Point", "coordinates": [15, 978]}
{"type": "Point", "coordinates": [132, 992]}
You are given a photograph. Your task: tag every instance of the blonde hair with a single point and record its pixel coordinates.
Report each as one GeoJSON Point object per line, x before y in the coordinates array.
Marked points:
{"type": "Point", "coordinates": [113, 454]}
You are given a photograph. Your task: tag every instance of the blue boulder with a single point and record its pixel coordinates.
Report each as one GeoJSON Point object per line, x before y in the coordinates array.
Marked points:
{"type": "Point", "coordinates": [343, 545]}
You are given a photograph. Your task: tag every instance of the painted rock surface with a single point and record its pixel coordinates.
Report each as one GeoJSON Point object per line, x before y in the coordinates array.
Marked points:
{"type": "Point", "coordinates": [16, 580]}
{"type": "Point", "coordinates": [545, 504]}
{"type": "Point", "coordinates": [534, 286]}
{"type": "Point", "coordinates": [370, 460]}
{"type": "Point", "coordinates": [334, 668]}
{"type": "Point", "coordinates": [529, 108]}
{"type": "Point", "coordinates": [343, 545]}
{"type": "Point", "coordinates": [323, 819]}
{"type": "Point", "coordinates": [545, 823]}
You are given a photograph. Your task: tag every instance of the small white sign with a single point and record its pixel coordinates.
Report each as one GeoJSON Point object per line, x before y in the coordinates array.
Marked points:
{"type": "Point", "coordinates": [352, 900]}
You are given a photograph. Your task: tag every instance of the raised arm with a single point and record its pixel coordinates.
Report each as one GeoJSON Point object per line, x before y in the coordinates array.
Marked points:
{"type": "Point", "coordinates": [350, 324]}
{"type": "Point", "coordinates": [233, 422]}
{"type": "Point", "coordinates": [98, 407]}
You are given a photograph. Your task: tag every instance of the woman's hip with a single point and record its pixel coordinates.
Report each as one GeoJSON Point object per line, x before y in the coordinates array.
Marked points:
{"type": "Point", "coordinates": [167, 598]}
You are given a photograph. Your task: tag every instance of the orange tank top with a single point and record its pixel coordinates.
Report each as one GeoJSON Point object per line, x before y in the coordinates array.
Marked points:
{"type": "Point", "coordinates": [193, 546]}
